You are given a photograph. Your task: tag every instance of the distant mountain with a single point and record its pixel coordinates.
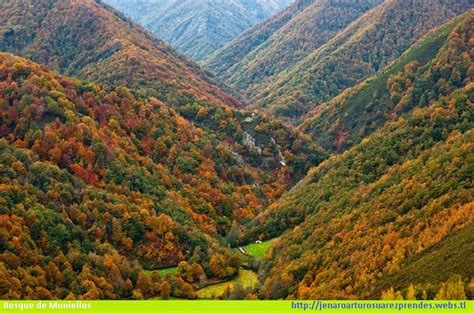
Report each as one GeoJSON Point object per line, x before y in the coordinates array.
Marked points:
{"type": "Point", "coordinates": [395, 209]}
{"type": "Point", "coordinates": [344, 55]}
{"type": "Point", "coordinates": [198, 27]}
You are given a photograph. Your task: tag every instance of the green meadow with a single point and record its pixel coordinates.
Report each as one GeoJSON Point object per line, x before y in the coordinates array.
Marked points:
{"type": "Point", "coordinates": [246, 279]}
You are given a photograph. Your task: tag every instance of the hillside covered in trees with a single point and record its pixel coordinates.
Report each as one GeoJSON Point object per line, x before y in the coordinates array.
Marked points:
{"type": "Point", "coordinates": [198, 27]}
{"type": "Point", "coordinates": [137, 60]}
{"type": "Point", "coordinates": [87, 39]}
{"type": "Point", "coordinates": [359, 111]}
{"type": "Point", "coordinates": [360, 43]}
{"type": "Point", "coordinates": [149, 68]}
{"type": "Point", "coordinates": [102, 182]}
{"type": "Point", "coordinates": [385, 213]}
{"type": "Point", "coordinates": [91, 174]}
{"type": "Point", "coordinates": [281, 41]}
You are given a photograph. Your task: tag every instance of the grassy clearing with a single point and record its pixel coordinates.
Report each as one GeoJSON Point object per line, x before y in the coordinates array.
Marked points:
{"type": "Point", "coordinates": [246, 279]}
{"type": "Point", "coordinates": [257, 250]}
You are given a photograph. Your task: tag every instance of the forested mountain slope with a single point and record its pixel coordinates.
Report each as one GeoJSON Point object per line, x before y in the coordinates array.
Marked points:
{"type": "Point", "coordinates": [355, 113]}
{"type": "Point", "coordinates": [289, 78]}
{"type": "Point", "coordinates": [116, 52]}
{"type": "Point", "coordinates": [360, 222]}
{"type": "Point", "coordinates": [98, 184]}
{"type": "Point", "coordinates": [86, 39]}
{"type": "Point", "coordinates": [222, 60]}
{"type": "Point", "coordinates": [198, 27]}
{"type": "Point", "coordinates": [102, 182]}
{"type": "Point", "coordinates": [278, 43]}
{"type": "Point", "coordinates": [362, 49]}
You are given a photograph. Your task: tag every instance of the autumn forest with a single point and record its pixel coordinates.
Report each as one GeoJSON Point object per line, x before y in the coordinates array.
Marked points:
{"type": "Point", "coordinates": [310, 149]}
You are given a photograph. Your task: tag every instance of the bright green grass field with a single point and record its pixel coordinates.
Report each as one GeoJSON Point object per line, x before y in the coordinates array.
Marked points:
{"type": "Point", "coordinates": [257, 250]}
{"type": "Point", "coordinates": [246, 279]}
